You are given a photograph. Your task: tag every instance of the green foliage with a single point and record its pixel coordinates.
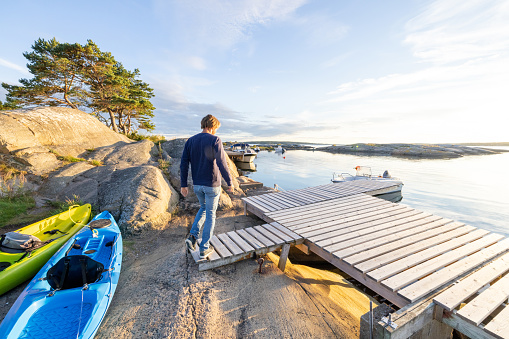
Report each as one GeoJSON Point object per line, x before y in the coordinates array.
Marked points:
{"type": "Point", "coordinates": [95, 163]}
{"type": "Point", "coordinates": [156, 139]}
{"type": "Point", "coordinates": [66, 158]}
{"type": "Point", "coordinates": [14, 207]}
{"type": "Point", "coordinates": [84, 77]}
{"type": "Point", "coordinates": [9, 104]}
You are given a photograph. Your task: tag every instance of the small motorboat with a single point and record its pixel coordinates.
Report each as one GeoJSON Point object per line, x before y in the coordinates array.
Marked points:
{"type": "Point", "coordinates": [279, 149]}
{"type": "Point", "coordinates": [241, 153]}
{"type": "Point", "coordinates": [364, 173]}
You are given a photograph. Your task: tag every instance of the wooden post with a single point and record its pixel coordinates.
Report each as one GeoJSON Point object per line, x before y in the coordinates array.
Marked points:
{"type": "Point", "coordinates": [284, 256]}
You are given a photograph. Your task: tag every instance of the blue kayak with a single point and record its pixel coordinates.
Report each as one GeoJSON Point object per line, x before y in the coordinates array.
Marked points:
{"type": "Point", "coordinates": [70, 295]}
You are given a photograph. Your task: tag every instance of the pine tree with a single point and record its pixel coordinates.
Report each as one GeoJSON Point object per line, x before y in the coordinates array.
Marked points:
{"type": "Point", "coordinates": [84, 77]}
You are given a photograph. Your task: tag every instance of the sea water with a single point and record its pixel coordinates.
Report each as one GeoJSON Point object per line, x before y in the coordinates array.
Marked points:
{"type": "Point", "coordinates": [471, 189]}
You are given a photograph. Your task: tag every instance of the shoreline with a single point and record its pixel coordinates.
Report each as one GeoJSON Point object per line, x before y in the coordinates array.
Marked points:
{"type": "Point", "coordinates": [412, 151]}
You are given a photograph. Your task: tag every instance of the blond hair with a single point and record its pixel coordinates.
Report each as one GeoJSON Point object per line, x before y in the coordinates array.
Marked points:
{"type": "Point", "coordinates": [210, 121]}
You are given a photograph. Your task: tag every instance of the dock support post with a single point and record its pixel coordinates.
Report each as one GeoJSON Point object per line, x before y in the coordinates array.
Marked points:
{"type": "Point", "coordinates": [284, 256]}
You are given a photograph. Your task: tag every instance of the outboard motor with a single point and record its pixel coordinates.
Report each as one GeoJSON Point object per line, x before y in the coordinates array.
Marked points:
{"type": "Point", "coordinates": [386, 174]}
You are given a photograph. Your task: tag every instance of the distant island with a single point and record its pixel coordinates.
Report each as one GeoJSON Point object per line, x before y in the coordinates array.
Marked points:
{"type": "Point", "coordinates": [424, 151]}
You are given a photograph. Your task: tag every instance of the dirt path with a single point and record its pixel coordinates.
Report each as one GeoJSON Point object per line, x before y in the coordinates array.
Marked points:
{"type": "Point", "coordinates": [161, 293]}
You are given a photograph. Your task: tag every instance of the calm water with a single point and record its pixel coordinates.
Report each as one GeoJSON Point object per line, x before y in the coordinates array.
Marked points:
{"type": "Point", "coordinates": [472, 189]}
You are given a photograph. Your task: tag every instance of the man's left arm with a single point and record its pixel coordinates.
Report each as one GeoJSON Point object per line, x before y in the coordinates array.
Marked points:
{"type": "Point", "coordinates": [223, 164]}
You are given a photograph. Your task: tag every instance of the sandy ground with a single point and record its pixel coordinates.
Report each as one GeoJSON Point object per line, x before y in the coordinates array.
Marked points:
{"type": "Point", "coordinates": [161, 293]}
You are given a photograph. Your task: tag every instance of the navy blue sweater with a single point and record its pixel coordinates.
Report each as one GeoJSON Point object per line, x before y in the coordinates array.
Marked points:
{"type": "Point", "coordinates": [208, 161]}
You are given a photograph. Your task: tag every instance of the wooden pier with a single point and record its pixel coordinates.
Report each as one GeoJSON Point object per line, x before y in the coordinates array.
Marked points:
{"type": "Point", "coordinates": [414, 259]}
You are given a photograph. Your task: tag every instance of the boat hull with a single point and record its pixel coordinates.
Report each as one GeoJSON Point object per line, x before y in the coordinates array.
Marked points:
{"type": "Point", "coordinates": [74, 312]}
{"type": "Point", "coordinates": [21, 269]}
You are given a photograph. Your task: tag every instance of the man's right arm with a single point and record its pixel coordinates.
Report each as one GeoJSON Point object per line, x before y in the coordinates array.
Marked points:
{"type": "Point", "coordinates": [184, 166]}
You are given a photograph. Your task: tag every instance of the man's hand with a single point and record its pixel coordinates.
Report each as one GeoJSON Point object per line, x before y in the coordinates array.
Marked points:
{"type": "Point", "coordinates": [230, 189]}
{"type": "Point", "coordinates": [184, 191]}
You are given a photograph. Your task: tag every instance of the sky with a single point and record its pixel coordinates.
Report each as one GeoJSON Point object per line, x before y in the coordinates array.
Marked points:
{"type": "Point", "coordinates": [335, 72]}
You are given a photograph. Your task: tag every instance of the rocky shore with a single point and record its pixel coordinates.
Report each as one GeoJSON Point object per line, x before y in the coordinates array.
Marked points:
{"type": "Point", "coordinates": [67, 154]}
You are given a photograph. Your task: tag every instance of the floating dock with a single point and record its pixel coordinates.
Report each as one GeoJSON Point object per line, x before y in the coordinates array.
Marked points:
{"type": "Point", "coordinates": [427, 265]}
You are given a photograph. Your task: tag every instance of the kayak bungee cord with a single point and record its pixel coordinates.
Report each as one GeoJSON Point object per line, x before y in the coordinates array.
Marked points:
{"type": "Point", "coordinates": [81, 313]}
{"type": "Point", "coordinates": [70, 217]}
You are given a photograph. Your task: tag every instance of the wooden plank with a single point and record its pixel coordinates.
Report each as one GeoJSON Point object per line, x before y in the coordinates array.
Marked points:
{"type": "Point", "coordinates": [468, 329]}
{"type": "Point", "coordinates": [289, 202]}
{"type": "Point", "coordinates": [272, 237]}
{"type": "Point", "coordinates": [370, 283]}
{"type": "Point", "coordinates": [454, 296]}
{"type": "Point", "coordinates": [383, 234]}
{"type": "Point", "coordinates": [230, 244]}
{"type": "Point", "coordinates": [357, 217]}
{"type": "Point", "coordinates": [267, 201]}
{"type": "Point", "coordinates": [413, 274]}
{"type": "Point", "coordinates": [427, 254]}
{"type": "Point", "coordinates": [278, 233]}
{"type": "Point", "coordinates": [485, 303]}
{"type": "Point", "coordinates": [250, 239]}
{"type": "Point", "coordinates": [240, 242]}
{"type": "Point", "coordinates": [284, 257]}
{"type": "Point", "coordinates": [196, 254]}
{"type": "Point", "coordinates": [286, 231]}
{"type": "Point", "coordinates": [251, 201]}
{"type": "Point", "coordinates": [335, 203]}
{"type": "Point", "coordinates": [393, 255]}
{"type": "Point", "coordinates": [258, 213]}
{"type": "Point", "coordinates": [326, 213]}
{"type": "Point", "coordinates": [375, 232]}
{"type": "Point", "coordinates": [453, 271]}
{"type": "Point", "coordinates": [499, 326]}
{"type": "Point", "coordinates": [366, 219]}
{"type": "Point", "coordinates": [266, 242]}
{"type": "Point", "coordinates": [207, 265]}
{"type": "Point", "coordinates": [219, 247]}
{"type": "Point", "coordinates": [326, 233]}
{"type": "Point", "coordinates": [355, 255]}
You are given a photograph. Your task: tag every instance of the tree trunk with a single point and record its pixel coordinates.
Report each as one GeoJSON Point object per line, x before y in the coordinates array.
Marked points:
{"type": "Point", "coordinates": [113, 122]}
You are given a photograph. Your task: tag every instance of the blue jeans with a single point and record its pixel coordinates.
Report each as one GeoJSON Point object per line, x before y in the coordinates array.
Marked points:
{"type": "Point", "coordinates": [205, 220]}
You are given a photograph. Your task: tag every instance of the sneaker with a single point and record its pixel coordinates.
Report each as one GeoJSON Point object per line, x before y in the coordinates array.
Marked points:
{"type": "Point", "coordinates": [191, 242]}
{"type": "Point", "coordinates": [205, 254]}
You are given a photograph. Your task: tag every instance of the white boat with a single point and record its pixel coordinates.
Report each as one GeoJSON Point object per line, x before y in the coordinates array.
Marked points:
{"type": "Point", "coordinates": [241, 153]}
{"type": "Point", "coordinates": [279, 149]}
{"type": "Point", "coordinates": [364, 173]}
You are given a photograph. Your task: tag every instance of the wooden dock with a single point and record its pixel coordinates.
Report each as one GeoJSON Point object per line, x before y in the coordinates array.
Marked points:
{"type": "Point", "coordinates": [405, 255]}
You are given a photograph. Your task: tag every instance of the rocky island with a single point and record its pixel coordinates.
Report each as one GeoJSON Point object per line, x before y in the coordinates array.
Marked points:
{"type": "Point", "coordinates": [425, 151]}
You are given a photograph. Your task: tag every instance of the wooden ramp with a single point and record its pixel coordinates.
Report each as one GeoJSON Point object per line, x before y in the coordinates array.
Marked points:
{"type": "Point", "coordinates": [245, 243]}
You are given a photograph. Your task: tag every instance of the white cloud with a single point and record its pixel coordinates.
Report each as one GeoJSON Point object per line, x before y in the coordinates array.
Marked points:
{"type": "Point", "coordinates": [459, 30]}
{"type": "Point", "coordinates": [13, 66]}
{"type": "Point", "coordinates": [458, 94]}
{"type": "Point", "coordinates": [222, 23]}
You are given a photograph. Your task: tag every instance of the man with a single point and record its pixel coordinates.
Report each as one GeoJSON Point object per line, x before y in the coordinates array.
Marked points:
{"type": "Point", "coordinates": [208, 162]}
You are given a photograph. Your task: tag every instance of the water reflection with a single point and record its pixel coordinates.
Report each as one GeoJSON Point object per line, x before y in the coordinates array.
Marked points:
{"type": "Point", "coordinates": [471, 189]}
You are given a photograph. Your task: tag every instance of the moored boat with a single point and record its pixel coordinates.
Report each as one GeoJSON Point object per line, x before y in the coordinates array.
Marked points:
{"type": "Point", "coordinates": [69, 296]}
{"type": "Point", "coordinates": [241, 153]}
{"type": "Point", "coordinates": [24, 251]}
{"type": "Point", "coordinates": [364, 173]}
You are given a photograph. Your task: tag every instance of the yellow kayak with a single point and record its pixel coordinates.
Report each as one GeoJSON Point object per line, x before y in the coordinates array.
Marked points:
{"type": "Point", "coordinates": [19, 263]}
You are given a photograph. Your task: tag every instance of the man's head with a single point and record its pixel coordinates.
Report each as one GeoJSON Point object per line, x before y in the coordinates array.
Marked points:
{"type": "Point", "coordinates": [210, 122]}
